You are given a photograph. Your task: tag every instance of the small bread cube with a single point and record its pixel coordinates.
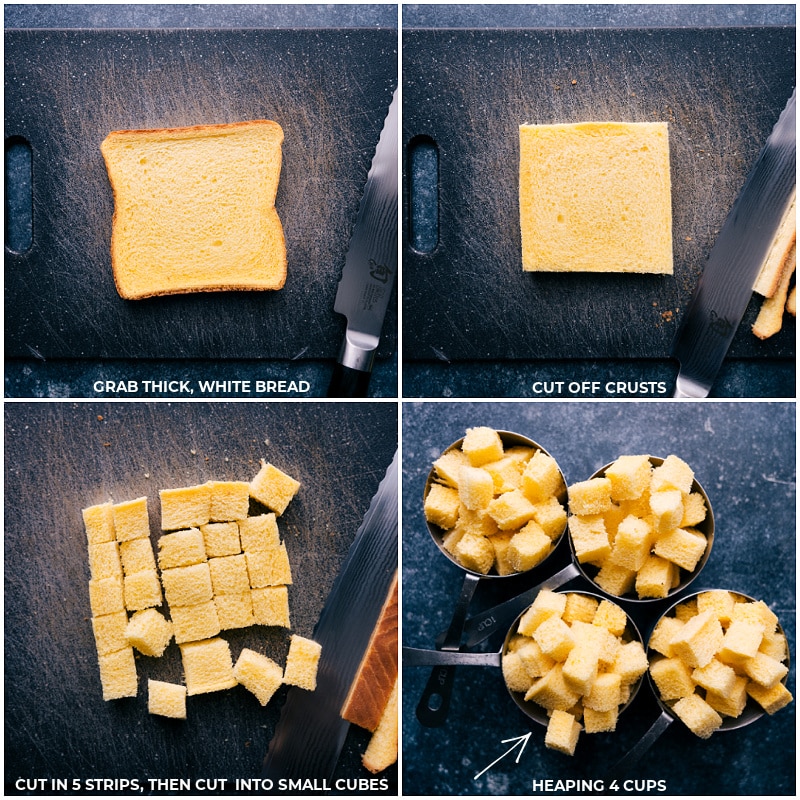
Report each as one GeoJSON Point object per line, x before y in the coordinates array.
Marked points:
{"type": "Point", "coordinates": [682, 546]}
{"type": "Point", "coordinates": [529, 547]}
{"type": "Point", "coordinates": [772, 699]}
{"type": "Point", "coordinates": [630, 477]}
{"type": "Point", "coordinates": [475, 488]}
{"type": "Point", "coordinates": [672, 678]}
{"type": "Point", "coordinates": [515, 674]}
{"type": "Point", "coordinates": [448, 466]}
{"type": "Point", "coordinates": [579, 607]}
{"type": "Point", "coordinates": [511, 510]}
{"type": "Point", "coordinates": [258, 674]}
{"type": "Point", "coordinates": [273, 488]}
{"type": "Point", "coordinates": [589, 538]}
{"type": "Point", "coordinates": [452, 538]}
{"type": "Point", "coordinates": [590, 497]}
{"type": "Point", "coordinates": [606, 693]}
{"type": "Point", "coordinates": [105, 596]}
{"type": "Point", "coordinates": [181, 549]}
{"type": "Point", "coordinates": [474, 553]}
{"type": "Point", "coordinates": [271, 606]}
{"type": "Point", "coordinates": [672, 474]}
{"type": "Point", "coordinates": [149, 632]}
{"type": "Point", "coordinates": [631, 544]}
{"type": "Point", "coordinates": [631, 662]}
{"type": "Point", "coordinates": [187, 507]}
{"type": "Point", "coordinates": [551, 691]}
{"type": "Point", "coordinates": [506, 474]}
{"type": "Point", "coordinates": [441, 506]}
{"type": "Point", "coordinates": [718, 601]}
{"type": "Point", "coordinates": [137, 555]}
{"type": "Point", "coordinates": [221, 539]}
{"type": "Point", "coordinates": [555, 638]}
{"type": "Point", "coordinates": [765, 671]}
{"type": "Point", "coordinates": [302, 662]}
{"type": "Point", "coordinates": [500, 543]}
{"type": "Point", "coordinates": [542, 478]}
{"type": "Point", "coordinates": [774, 645]}
{"type": "Point", "coordinates": [131, 520]}
{"type": "Point", "coordinates": [477, 522]}
{"type": "Point", "coordinates": [118, 674]}
{"type": "Point", "coordinates": [188, 586]}
{"type": "Point", "coordinates": [269, 568]}
{"type": "Point", "coordinates": [482, 445]}
{"type": "Point", "coordinates": [611, 617]}
{"type": "Point", "coordinates": [194, 623]}
{"type": "Point", "coordinates": [259, 534]}
{"type": "Point", "coordinates": [229, 574]}
{"type": "Point", "coordinates": [580, 668]}
{"type": "Point", "coordinates": [694, 510]}
{"type": "Point", "coordinates": [607, 643]}
{"type": "Point", "coordinates": [698, 640]}
{"type": "Point", "coordinates": [614, 579]}
{"type": "Point", "coordinates": [234, 610]}
{"type": "Point", "coordinates": [656, 577]}
{"type": "Point", "coordinates": [230, 500]}
{"type": "Point", "coordinates": [104, 561]}
{"type": "Point", "coordinates": [207, 666]}
{"type": "Point", "coordinates": [545, 605]}
{"type": "Point", "coordinates": [142, 590]}
{"type": "Point", "coordinates": [552, 517]}
{"type": "Point", "coordinates": [536, 663]}
{"type": "Point", "coordinates": [600, 721]}
{"type": "Point", "coordinates": [109, 632]}
{"type": "Point", "coordinates": [166, 699]}
{"type": "Point", "coordinates": [756, 612]}
{"type": "Point", "coordinates": [98, 522]}
{"type": "Point", "coordinates": [563, 731]}
{"type": "Point", "coordinates": [698, 716]}
{"type": "Point", "coordinates": [667, 508]}
{"type": "Point", "coordinates": [715, 677]}
{"type": "Point", "coordinates": [686, 610]}
{"type": "Point", "coordinates": [663, 633]}
{"type": "Point", "coordinates": [741, 642]}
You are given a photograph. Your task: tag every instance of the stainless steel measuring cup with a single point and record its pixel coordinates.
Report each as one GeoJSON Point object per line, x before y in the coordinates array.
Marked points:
{"type": "Point", "coordinates": [434, 703]}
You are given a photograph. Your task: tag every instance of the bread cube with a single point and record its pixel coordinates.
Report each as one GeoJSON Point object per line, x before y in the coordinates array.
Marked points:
{"type": "Point", "coordinates": [142, 590]}
{"type": "Point", "coordinates": [105, 596]}
{"type": "Point", "coordinates": [131, 520]}
{"type": "Point", "coordinates": [137, 555]}
{"type": "Point", "coordinates": [475, 488]}
{"type": "Point", "coordinates": [694, 510]}
{"type": "Point", "coordinates": [774, 645]}
{"type": "Point", "coordinates": [302, 662]}
{"type": "Point", "coordinates": [563, 731]}
{"type": "Point", "coordinates": [230, 500]}
{"type": "Point", "coordinates": [207, 666]}
{"type": "Point", "coordinates": [757, 612]}
{"type": "Point", "coordinates": [515, 674]}
{"type": "Point", "coordinates": [229, 574]}
{"type": "Point", "coordinates": [698, 716]}
{"type": "Point", "coordinates": [630, 477]}
{"type": "Point", "coordinates": [741, 642]}
{"type": "Point", "coordinates": [104, 561]}
{"type": "Point", "coordinates": [98, 522]}
{"type": "Point", "coordinates": [698, 640]}
{"type": "Point", "coordinates": [551, 691]}
{"type": "Point", "coordinates": [589, 538]}
{"type": "Point", "coordinates": [606, 693]}
{"type": "Point", "coordinates": [600, 721]}
{"type": "Point", "coordinates": [764, 670]}
{"type": "Point", "coordinates": [719, 602]}
{"type": "Point", "coordinates": [631, 662]}
{"type": "Point", "coordinates": [579, 607]}
{"type": "Point", "coordinates": [118, 674]}
{"type": "Point", "coordinates": [667, 508]}
{"type": "Point", "coordinates": [715, 677]}
{"type": "Point", "coordinates": [545, 605]}
{"type": "Point", "coordinates": [259, 534]}
{"type": "Point", "coordinates": [166, 699]}
{"type": "Point", "coordinates": [733, 702]}
{"type": "Point", "coordinates": [551, 516]}
{"type": "Point", "coordinates": [181, 549]}
{"type": "Point", "coordinates": [663, 633]}
{"type": "Point", "coordinates": [542, 478]}
{"type": "Point", "coordinates": [682, 546]}
{"type": "Point", "coordinates": [441, 506]}
{"type": "Point", "coordinates": [631, 544]}
{"type": "Point", "coordinates": [149, 632]}
{"type": "Point", "coordinates": [476, 522]}
{"type": "Point", "coordinates": [273, 488]}
{"type": "Point", "coordinates": [474, 553]}
{"type": "Point", "coordinates": [611, 617]}
{"type": "Point", "coordinates": [482, 445]}
{"type": "Point", "coordinates": [672, 678]}
{"type": "Point", "coordinates": [771, 700]}
{"type": "Point", "coordinates": [109, 632]}
{"type": "Point", "coordinates": [234, 610]}
{"type": "Point", "coordinates": [511, 510]}
{"type": "Point", "coordinates": [194, 623]}
{"type": "Point", "coordinates": [555, 638]}
{"type": "Point", "coordinates": [187, 507]}
{"type": "Point", "coordinates": [580, 668]}
{"type": "Point", "coordinates": [529, 547]}
{"type": "Point", "coordinates": [188, 586]}
{"type": "Point", "coordinates": [607, 643]}
{"type": "Point", "coordinates": [506, 474]}
{"type": "Point", "coordinates": [615, 579]}
{"type": "Point", "coordinates": [220, 539]}
{"type": "Point", "coordinates": [269, 568]}
{"type": "Point", "coordinates": [258, 674]}
{"type": "Point", "coordinates": [500, 543]}
{"type": "Point", "coordinates": [687, 609]}
{"type": "Point", "coordinates": [673, 473]}
{"type": "Point", "coordinates": [452, 538]}
{"type": "Point", "coordinates": [590, 497]}
{"type": "Point", "coordinates": [271, 606]}
{"type": "Point", "coordinates": [656, 577]}
{"type": "Point", "coordinates": [535, 662]}
{"type": "Point", "coordinates": [448, 467]}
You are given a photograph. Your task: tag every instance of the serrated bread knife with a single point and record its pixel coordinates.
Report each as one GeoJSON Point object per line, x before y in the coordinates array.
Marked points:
{"type": "Point", "coordinates": [310, 733]}
{"type": "Point", "coordinates": [370, 267]}
{"type": "Point", "coordinates": [726, 285]}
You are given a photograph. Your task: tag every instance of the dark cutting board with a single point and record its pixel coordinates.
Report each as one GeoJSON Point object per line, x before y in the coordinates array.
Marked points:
{"type": "Point", "coordinates": [65, 90]}
{"type": "Point", "coordinates": [62, 457]}
{"type": "Point", "coordinates": [720, 90]}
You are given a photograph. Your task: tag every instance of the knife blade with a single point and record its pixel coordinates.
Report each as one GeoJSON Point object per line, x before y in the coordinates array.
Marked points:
{"type": "Point", "coordinates": [311, 732]}
{"type": "Point", "coordinates": [370, 267]}
{"type": "Point", "coordinates": [726, 285]}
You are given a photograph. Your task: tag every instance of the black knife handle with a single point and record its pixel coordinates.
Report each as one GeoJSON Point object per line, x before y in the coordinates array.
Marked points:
{"type": "Point", "coordinates": [348, 382]}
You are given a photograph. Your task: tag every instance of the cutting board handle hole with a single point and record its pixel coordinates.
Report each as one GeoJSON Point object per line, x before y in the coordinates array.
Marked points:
{"type": "Point", "coordinates": [423, 194]}
{"type": "Point", "coordinates": [19, 195]}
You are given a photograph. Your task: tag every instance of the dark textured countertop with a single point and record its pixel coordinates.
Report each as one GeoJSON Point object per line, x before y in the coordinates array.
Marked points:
{"type": "Point", "coordinates": [743, 454]}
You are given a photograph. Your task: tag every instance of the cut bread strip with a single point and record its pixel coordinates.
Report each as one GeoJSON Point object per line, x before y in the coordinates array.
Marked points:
{"type": "Point", "coordinates": [779, 255]}
{"type": "Point", "coordinates": [381, 751]}
{"type": "Point", "coordinates": [770, 318]}
{"type": "Point", "coordinates": [791, 303]}
{"type": "Point", "coordinates": [194, 209]}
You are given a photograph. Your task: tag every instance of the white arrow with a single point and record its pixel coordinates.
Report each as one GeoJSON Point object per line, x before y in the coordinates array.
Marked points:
{"type": "Point", "coordinates": [520, 741]}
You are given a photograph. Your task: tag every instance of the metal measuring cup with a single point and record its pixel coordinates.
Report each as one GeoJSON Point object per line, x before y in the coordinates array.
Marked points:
{"type": "Point", "coordinates": [434, 703]}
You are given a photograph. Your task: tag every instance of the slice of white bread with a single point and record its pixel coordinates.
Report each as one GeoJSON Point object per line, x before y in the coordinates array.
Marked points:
{"type": "Point", "coordinates": [596, 197]}
{"type": "Point", "coordinates": [194, 209]}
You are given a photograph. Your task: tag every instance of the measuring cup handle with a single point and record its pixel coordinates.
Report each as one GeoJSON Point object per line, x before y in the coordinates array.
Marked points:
{"type": "Point", "coordinates": [412, 657]}
{"type": "Point", "coordinates": [434, 704]}
{"type": "Point", "coordinates": [631, 758]}
{"type": "Point", "coordinates": [482, 626]}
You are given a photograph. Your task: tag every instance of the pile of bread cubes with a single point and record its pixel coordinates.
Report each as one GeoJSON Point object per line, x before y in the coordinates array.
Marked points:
{"type": "Point", "coordinates": [218, 569]}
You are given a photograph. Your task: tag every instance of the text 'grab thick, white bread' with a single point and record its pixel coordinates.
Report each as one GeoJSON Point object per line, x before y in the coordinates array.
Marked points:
{"type": "Point", "coordinates": [194, 209]}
